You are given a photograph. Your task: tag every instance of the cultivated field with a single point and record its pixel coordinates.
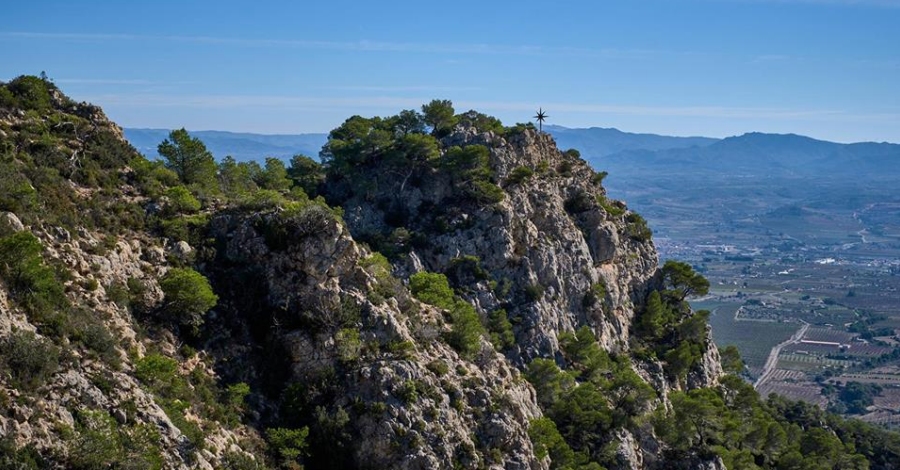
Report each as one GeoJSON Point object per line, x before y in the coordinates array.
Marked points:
{"type": "Point", "coordinates": [754, 339]}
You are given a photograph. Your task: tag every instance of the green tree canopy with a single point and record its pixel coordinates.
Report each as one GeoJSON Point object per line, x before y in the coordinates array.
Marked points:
{"type": "Point", "coordinates": [306, 173]}
{"type": "Point", "coordinates": [439, 115]}
{"type": "Point", "coordinates": [274, 176]}
{"type": "Point", "coordinates": [31, 92]}
{"type": "Point", "coordinates": [731, 359]}
{"type": "Point", "coordinates": [188, 296]}
{"type": "Point", "coordinates": [432, 288]}
{"type": "Point", "coordinates": [236, 179]}
{"type": "Point", "coordinates": [683, 281]}
{"type": "Point", "coordinates": [409, 122]}
{"type": "Point", "coordinates": [188, 157]}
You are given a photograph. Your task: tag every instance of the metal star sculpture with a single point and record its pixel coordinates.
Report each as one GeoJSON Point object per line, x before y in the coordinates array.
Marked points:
{"type": "Point", "coordinates": [540, 116]}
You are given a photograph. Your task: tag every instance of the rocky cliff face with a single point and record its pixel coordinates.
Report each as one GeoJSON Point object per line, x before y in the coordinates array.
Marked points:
{"type": "Point", "coordinates": [556, 253]}
{"type": "Point", "coordinates": [413, 401]}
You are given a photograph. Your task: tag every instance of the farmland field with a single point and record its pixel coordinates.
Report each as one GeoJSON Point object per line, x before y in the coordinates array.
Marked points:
{"type": "Point", "coordinates": [754, 339]}
{"type": "Point", "coordinates": [808, 392]}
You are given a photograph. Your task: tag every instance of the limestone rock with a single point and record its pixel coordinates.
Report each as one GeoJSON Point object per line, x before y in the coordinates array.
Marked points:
{"type": "Point", "coordinates": [182, 250]}
{"type": "Point", "coordinates": [10, 224]}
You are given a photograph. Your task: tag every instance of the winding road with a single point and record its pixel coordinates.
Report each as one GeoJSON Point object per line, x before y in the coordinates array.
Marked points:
{"type": "Point", "coordinates": [772, 360]}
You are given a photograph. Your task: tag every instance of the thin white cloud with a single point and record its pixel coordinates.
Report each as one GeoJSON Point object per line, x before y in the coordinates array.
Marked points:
{"type": "Point", "coordinates": [101, 81]}
{"type": "Point", "coordinates": [402, 88]}
{"type": "Point", "coordinates": [360, 46]}
{"type": "Point", "coordinates": [251, 101]}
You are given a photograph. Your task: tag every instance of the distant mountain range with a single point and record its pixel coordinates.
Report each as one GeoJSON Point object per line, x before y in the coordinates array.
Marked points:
{"type": "Point", "coordinates": [620, 153]}
{"type": "Point", "coordinates": [243, 146]}
{"type": "Point", "coordinates": [757, 154]}
{"type": "Point", "coordinates": [598, 141]}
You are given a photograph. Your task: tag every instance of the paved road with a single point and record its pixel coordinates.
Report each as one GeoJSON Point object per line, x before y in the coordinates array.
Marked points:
{"type": "Point", "coordinates": [772, 360]}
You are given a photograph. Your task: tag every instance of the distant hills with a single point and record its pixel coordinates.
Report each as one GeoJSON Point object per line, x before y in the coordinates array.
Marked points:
{"type": "Point", "coordinates": [243, 146]}
{"type": "Point", "coordinates": [757, 154]}
{"type": "Point", "coordinates": [599, 141]}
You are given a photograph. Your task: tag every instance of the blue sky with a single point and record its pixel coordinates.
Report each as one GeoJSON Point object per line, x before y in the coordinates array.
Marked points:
{"type": "Point", "coordinates": [825, 68]}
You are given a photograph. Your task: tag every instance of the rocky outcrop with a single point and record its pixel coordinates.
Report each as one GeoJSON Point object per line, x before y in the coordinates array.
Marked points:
{"type": "Point", "coordinates": [415, 403]}
{"type": "Point", "coordinates": [9, 224]}
{"type": "Point", "coordinates": [557, 253]}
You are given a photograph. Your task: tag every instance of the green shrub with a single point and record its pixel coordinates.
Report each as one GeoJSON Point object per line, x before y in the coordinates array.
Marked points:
{"type": "Point", "coordinates": [432, 288]}
{"type": "Point", "coordinates": [612, 208]}
{"type": "Point", "coordinates": [408, 392]}
{"type": "Point", "coordinates": [235, 397]}
{"type": "Point", "coordinates": [30, 280]}
{"type": "Point", "coordinates": [156, 370]}
{"type": "Point", "coordinates": [188, 296]}
{"type": "Point", "coordinates": [348, 344]}
{"type": "Point", "coordinates": [597, 178]}
{"type": "Point", "coordinates": [637, 228]}
{"type": "Point", "coordinates": [24, 458]}
{"type": "Point", "coordinates": [181, 201]}
{"type": "Point", "coordinates": [31, 93]}
{"type": "Point", "coordinates": [7, 99]}
{"type": "Point", "coordinates": [88, 330]}
{"type": "Point", "coordinates": [438, 367]}
{"type": "Point", "coordinates": [519, 175]}
{"type": "Point", "coordinates": [485, 192]}
{"type": "Point", "coordinates": [234, 460]}
{"type": "Point", "coordinates": [29, 360]}
{"type": "Point", "coordinates": [549, 442]}
{"type": "Point", "coordinates": [288, 445]}
{"type": "Point", "coordinates": [465, 334]}
{"type": "Point", "coordinates": [534, 292]}
{"type": "Point", "coordinates": [466, 269]}
{"type": "Point", "coordinates": [517, 129]}
{"type": "Point", "coordinates": [401, 349]}
{"type": "Point", "coordinates": [118, 293]}
{"type": "Point", "coordinates": [470, 169]}
{"type": "Point", "coordinates": [99, 444]}
{"type": "Point", "coordinates": [175, 410]}
{"type": "Point", "coordinates": [189, 228]}
{"type": "Point", "coordinates": [90, 284]}
{"type": "Point", "coordinates": [481, 122]}
{"type": "Point", "coordinates": [152, 177]}
{"type": "Point", "coordinates": [578, 202]}
{"type": "Point", "coordinates": [16, 193]}
{"type": "Point", "coordinates": [263, 199]}
{"type": "Point", "coordinates": [501, 330]}
{"type": "Point", "coordinates": [595, 295]}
